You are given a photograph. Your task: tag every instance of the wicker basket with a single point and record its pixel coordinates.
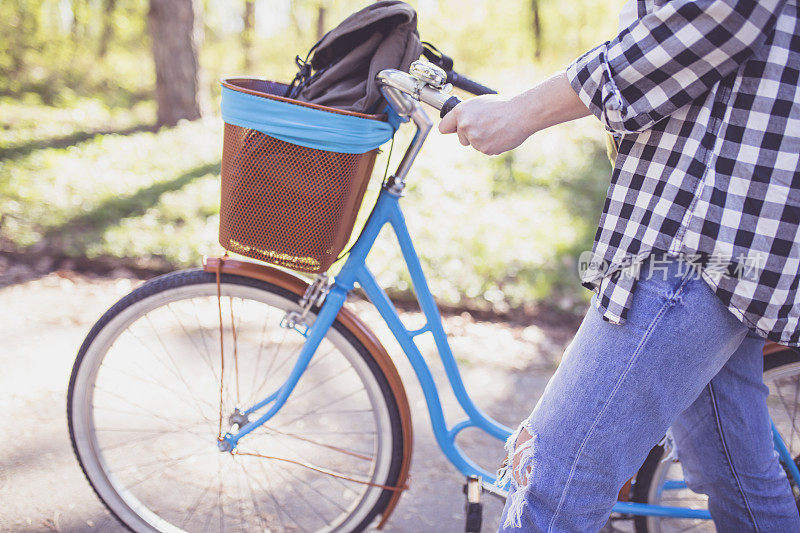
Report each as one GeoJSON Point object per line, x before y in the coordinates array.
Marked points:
{"type": "Point", "coordinates": [283, 203]}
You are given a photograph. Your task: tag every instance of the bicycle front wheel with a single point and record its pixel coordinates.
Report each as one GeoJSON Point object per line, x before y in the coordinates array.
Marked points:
{"type": "Point", "coordinates": [151, 392]}
{"type": "Point", "coordinates": [660, 482]}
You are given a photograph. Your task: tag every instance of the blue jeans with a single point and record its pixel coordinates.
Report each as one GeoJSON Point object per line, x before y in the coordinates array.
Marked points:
{"type": "Point", "coordinates": [681, 360]}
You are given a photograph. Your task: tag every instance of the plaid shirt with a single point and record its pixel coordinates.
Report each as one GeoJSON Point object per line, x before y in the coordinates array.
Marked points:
{"type": "Point", "coordinates": [705, 100]}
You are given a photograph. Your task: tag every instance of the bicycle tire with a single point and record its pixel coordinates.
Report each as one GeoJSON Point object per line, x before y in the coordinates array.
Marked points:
{"type": "Point", "coordinates": [776, 365]}
{"type": "Point", "coordinates": [148, 512]}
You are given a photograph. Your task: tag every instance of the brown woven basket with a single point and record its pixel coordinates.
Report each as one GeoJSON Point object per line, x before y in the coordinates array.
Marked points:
{"type": "Point", "coordinates": [287, 204]}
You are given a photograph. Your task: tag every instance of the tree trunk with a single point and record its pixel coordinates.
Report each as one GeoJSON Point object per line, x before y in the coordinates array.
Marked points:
{"type": "Point", "coordinates": [537, 29]}
{"type": "Point", "coordinates": [247, 33]}
{"type": "Point", "coordinates": [176, 30]}
{"type": "Point", "coordinates": [76, 29]}
{"type": "Point", "coordinates": [108, 26]}
{"type": "Point", "coordinates": [320, 22]}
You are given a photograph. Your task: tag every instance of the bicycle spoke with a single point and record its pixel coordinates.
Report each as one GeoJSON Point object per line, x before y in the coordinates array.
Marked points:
{"type": "Point", "coordinates": [151, 382]}
{"type": "Point", "coordinates": [219, 500]}
{"type": "Point", "coordinates": [318, 386]}
{"type": "Point", "coordinates": [194, 453]}
{"type": "Point", "coordinates": [161, 467]}
{"type": "Point", "coordinates": [161, 472]}
{"type": "Point", "coordinates": [256, 508]}
{"type": "Point", "coordinates": [239, 500]}
{"type": "Point", "coordinates": [285, 510]}
{"type": "Point", "coordinates": [268, 491]}
{"type": "Point", "coordinates": [193, 508]}
{"type": "Point", "coordinates": [234, 329]}
{"type": "Point", "coordinates": [328, 405]}
{"type": "Point", "coordinates": [301, 496]}
{"type": "Point", "coordinates": [128, 442]}
{"type": "Point", "coordinates": [310, 487]}
{"type": "Point", "coordinates": [352, 453]}
{"type": "Point", "coordinates": [339, 433]}
{"type": "Point", "coordinates": [308, 464]}
{"type": "Point", "coordinates": [211, 515]}
{"type": "Point", "coordinates": [129, 402]}
{"type": "Point", "coordinates": [794, 428]}
{"type": "Point", "coordinates": [269, 373]}
{"type": "Point", "coordinates": [175, 372]}
{"type": "Point", "coordinates": [206, 355]}
{"type": "Point", "coordinates": [254, 393]}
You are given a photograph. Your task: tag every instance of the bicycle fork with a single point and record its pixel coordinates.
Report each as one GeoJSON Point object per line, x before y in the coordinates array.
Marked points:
{"type": "Point", "coordinates": [322, 293]}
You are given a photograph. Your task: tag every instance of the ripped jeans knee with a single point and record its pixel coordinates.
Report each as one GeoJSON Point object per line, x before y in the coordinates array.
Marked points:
{"type": "Point", "coordinates": [517, 470]}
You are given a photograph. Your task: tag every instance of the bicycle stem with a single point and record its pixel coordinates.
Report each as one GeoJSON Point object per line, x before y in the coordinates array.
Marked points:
{"type": "Point", "coordinates": [406, 107]}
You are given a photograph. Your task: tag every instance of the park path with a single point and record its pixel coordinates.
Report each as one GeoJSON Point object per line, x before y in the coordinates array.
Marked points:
{"type": "Point", "coordinates": [43, 321]}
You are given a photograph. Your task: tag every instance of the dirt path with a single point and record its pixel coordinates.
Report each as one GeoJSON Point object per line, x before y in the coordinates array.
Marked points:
{"type": "Point", "coordinates": [44, 320]}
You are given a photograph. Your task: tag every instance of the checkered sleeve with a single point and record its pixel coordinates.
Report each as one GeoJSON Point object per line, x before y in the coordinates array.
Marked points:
{"type": "Point", "coordinates": [669, 58]}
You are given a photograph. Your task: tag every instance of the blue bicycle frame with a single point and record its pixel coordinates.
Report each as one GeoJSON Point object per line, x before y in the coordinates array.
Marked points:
{"type": "Point", "coordinates": [387, 211]}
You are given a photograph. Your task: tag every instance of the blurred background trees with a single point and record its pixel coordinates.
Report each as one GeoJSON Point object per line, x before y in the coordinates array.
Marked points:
{"type": "Point", "coordinates": [176, 31]}
{"type": "Point", "coordinates": [85, 178]}
{"type": "Point", "coordinates": [59, 48]}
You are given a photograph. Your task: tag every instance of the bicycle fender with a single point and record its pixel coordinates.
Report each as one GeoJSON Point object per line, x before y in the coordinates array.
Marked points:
{"type": "Point", "coordinates": [354, 325]}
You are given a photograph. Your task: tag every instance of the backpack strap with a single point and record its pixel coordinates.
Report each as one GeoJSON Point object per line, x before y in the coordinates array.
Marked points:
{"type": "Point", "coordinates": [303, 76]}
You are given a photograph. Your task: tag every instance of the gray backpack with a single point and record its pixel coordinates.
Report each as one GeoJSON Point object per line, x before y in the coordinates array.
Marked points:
{"type": "Point", "coordinates": [343, 65]}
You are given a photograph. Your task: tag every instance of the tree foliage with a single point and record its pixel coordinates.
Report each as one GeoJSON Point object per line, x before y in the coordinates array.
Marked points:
{"type": "Point", "coordinates": [59, 48]}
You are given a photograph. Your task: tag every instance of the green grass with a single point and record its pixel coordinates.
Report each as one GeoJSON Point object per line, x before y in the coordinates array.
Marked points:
{"type": "Point", "coordinates": [71, 195]}
{"type": "Point", "coordinates": [493, 233]}
{"type": "Point", "coordinates": [27, 125]}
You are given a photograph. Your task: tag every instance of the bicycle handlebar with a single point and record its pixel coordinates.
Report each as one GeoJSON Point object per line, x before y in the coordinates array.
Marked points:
{"type": "Point", "coordinates": [434, 95]}
{"type": "Point", "coordinates": [449, 105]}
{"type": "Point", "coordinates": [466, 84]}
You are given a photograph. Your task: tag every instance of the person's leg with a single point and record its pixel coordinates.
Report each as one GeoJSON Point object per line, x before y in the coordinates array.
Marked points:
{"type": "Point", "coordinates": [724, 443]}
{"type": "Point", "coordinates": [616, 392]}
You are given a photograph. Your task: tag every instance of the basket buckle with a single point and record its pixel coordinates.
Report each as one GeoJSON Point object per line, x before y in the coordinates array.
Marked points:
{"type": "Point", "coordinates": [313, 297]}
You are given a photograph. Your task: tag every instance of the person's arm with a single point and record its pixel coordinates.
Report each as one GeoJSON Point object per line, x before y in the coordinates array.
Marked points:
{"type": "Point", "coordinates": [657, 65]}
{"type": "Point", "coordinates": [493, 124]}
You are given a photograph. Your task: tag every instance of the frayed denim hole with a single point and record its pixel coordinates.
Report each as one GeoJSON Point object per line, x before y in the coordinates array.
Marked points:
{"type": "Point", "coordinates": [508, 475]}
{"type": "Point", "coordinates": [671, 453]}
{"type": "Point", "coordinates": [504, 474]}
{"type": "Point", "coordinates": [670, 448]}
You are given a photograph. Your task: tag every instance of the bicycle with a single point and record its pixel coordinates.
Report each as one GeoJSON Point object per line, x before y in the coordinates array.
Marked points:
{"type": "Point", "coordinates": [239, 396]}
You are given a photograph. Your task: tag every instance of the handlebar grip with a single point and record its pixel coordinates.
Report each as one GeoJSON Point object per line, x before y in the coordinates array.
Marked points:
{"type": "Point", "coordinates": [449, 105]}
{"type": "Point", "coordinates": [462, 82]}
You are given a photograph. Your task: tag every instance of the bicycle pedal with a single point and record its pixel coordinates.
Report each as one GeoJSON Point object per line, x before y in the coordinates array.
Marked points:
{"type": "Point", "coordinates": [473, 507]}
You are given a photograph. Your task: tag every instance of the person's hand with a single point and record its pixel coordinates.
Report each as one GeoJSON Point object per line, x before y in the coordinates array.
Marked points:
{"type": "Point", "coordinates": [493, 124]}
{"type": "Point", "coordinates": [489, 123]}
